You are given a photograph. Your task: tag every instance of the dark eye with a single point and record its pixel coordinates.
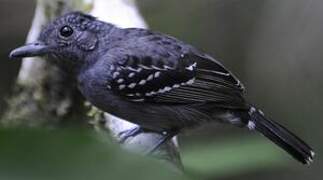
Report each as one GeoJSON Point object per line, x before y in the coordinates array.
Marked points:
{"type": "Point", "coordinates": [66, 31]}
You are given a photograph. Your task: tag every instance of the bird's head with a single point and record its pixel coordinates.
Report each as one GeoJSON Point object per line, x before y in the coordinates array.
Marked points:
{"type": "Point", "coordinates": [70, 37]}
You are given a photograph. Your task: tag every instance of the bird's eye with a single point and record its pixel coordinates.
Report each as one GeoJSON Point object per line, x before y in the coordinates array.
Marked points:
{"type": "Point", "coordinates": [66, 31]}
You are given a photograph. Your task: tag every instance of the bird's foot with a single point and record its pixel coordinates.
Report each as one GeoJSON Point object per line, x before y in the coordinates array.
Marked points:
{"type": "Point", "coordinates": [166, 136]}
{"type": "Point", "coordinates": [124, 135]}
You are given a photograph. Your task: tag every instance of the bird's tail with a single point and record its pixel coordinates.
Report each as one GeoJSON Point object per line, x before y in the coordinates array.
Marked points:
{"type": "Point", "coordinates": [280, 136]}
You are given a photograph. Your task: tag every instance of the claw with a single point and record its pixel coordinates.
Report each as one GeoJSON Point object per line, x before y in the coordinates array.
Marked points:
{"type": "Point", "coordinates": [124, 135]}
{"type": "Point", "coordinates": [166, 136]}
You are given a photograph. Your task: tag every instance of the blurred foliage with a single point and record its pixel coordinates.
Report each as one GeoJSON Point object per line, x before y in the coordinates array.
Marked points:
{"type": "Point", "coordinates": [81, 154]}
{"type": "Point", "coordinates": [232, 157]}
{"type": "Point", "coordinates": [39, 154]}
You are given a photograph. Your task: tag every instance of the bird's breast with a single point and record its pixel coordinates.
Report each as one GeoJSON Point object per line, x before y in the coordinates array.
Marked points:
{"type": "Point", "coordinates": [95, 88]}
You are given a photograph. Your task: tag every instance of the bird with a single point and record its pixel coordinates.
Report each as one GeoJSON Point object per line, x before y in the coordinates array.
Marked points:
{"type": "Point", "coordinates": [154, 80]}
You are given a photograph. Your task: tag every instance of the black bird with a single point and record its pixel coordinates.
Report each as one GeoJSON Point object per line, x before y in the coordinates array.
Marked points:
{"type": "Point", "coordinates": [154, 80]}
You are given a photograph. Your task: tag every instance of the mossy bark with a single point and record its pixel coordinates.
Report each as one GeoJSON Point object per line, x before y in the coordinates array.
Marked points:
{"type": "Point", "coordinates": [44, 95]}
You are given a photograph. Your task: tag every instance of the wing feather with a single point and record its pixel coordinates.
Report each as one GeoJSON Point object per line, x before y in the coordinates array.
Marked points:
{"type": "Point", "coordinates": [180, 78]}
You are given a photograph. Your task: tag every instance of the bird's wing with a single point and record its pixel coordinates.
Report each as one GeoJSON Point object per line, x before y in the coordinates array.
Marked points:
{"type": "Point", "coordinates": [211, 83]}
{"type": "Point", "coordinates": [192, 79]}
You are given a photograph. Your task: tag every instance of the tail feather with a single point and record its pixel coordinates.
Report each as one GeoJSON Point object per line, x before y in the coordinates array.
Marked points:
{"type": "Point", "coordinates": [281, 136]}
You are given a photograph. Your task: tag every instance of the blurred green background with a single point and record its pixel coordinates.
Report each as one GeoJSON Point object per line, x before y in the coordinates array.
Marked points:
{"type": "Point", "coordinates": [274, 47]}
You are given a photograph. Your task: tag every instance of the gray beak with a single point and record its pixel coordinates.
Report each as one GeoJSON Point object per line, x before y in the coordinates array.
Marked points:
{"type": "Point", "coordinates": [30, 50]}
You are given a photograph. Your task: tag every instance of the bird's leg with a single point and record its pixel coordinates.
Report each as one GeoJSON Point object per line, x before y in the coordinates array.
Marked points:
{"type": "Point", "coordinates": [167, 135]}
{"type": "Point", "coordinates": [124, 135]}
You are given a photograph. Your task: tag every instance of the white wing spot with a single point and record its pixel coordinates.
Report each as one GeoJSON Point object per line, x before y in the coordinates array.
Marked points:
{"type": "Point", "coordinates": [137, 100]}
{"type": "Point", "coordinates": [108, 86]}
{"type": "Point", "coordinates": [122, 86]}
{"type": "Point", "coordinates": [191, 81]}
{"type": "Point", "coordinates": [148, 94]}
{"type": "Point", "coordinates": [167, 67]}
{"type": "Point", "coordinates": [132, 85]}
{"type": "Point", "coordinates": [167, 88]}
{"type": "Point", "coordinates": [153, 92]}
{"type": "Point", "coordinates": [251, 125]}
{"type": "Point", "coordinates": [131, 75]}
{"type": "Point", "coordinates": [138, 94]}
{"type": "Point", "coordinates": [239, 84]}
{"type": "Point", "coordinates": [131, 95]}
{"type": "Point", "coordinates": [157, 74]}
{"type": "Point", "coordinates": [133, 69]}
{"type": "Point", "coordinates": [142, 82]}
{"type": "Point", "coordinates": [144, 67]}
{"type": "Point", "coordinates": [161, 90]}
{"type": "Point", "coordinates": [221, 73]}
{"type": "Point", "coordinates": [312, 153]}
{"type": "Point", "coordinates": [157, 68]}
{"type": "Point", "coordinates": [262, 113]}
{"type": "Point", "coordinates": [150, 77]}
{"type": "Point", "coordinates": [120, 80]}
{"type": "Point", "coordinates": [176, 86]}
{"type": "Point", "coordinates": [139, 69]}
{"type": "Point", "coordinates": [252, 110]}
{"type": "Point", "coordinates": [191, 67]}
{"type": "Point", "coordinates": [115, 75]}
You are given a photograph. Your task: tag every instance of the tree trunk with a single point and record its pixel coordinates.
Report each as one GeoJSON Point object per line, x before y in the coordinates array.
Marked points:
{"type": "Point", "coordinates": [45, 96]}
